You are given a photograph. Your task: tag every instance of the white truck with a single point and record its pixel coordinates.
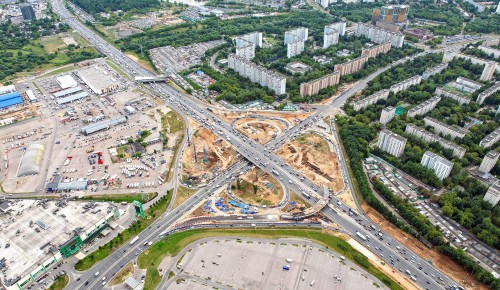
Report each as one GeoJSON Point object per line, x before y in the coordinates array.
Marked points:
{"type": "Point", "coordinates": [361, 236]}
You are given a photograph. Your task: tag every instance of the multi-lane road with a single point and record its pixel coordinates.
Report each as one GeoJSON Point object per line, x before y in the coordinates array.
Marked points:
{"type": "Point", "coordinates": [263, 157]}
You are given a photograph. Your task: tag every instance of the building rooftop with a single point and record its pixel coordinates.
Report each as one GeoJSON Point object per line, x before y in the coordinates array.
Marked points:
{"type": "Point", "coordinates": [297, 67]}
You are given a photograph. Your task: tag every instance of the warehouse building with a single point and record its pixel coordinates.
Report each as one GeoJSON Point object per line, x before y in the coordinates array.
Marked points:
{"type": "Point", "coordinates": [104, 125]}
{"type": "Point", "coordinates": [80, 184]}
{"type": "Point", "coordinates": [66, 82]}
{"type": "Point", "coordinates": [31, 161]}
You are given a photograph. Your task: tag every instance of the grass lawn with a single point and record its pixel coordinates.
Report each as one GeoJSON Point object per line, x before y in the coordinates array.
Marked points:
{"type": "Point", "coordinates": [120, 197]}
{"type": "Point", "coordinates": [60, 283]}
{"type": "Point", "coordinates": [172, 244]}
{"type": "Point", "coordinates": [183, 193]}
{"type": "Point", "coordinates": [52, 43]}
{"type": "Point", "coordinates": [153, 213]}
{"type": "Point", "coordinates": [175, 122]}
{"type": "Point", "coordinates": [122, 275]}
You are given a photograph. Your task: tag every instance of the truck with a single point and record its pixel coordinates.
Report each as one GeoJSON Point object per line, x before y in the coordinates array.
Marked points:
{"type": "Point", "coordinates": [134, 240]}
{"type": "Point", "coordinates": [306, 195]}
{"type": "Point", "coordinates": [361, 236]}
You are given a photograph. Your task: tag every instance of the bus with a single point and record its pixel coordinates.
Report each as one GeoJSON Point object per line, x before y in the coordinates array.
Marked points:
{"type": "Point", "coordinates": [134, 240]}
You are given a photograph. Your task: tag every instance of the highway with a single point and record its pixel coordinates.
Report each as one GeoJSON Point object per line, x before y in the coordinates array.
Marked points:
{"type": "Point", "coordinates": [261, 155]}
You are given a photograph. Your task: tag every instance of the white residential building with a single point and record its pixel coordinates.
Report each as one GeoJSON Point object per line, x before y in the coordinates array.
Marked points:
{"type": "Point", "coordinates": [434, 70]}
{"type": "Point", "coordinates": [431, 137]}
{"type": "Point", "coordinates": [380, 35]}
{"type": "Point", "coordinates": [441, 166]}
{"type": "Point", "coordinates": [371, 99]}
{"type": "Point", "coordinates": [488, 92]}
{"type": "Point", "coordinates": [493, 194]}
{"type": "Point", "coordinates": [295, 40]}
{"type": "Point", "coordinates": [404, 85]}
{"type": "Point", "coordinates": [491, 139]}
{"type": "Point", "coordinates": [445, 129]}
{"type": "Point", "coordinates": [387, 115]}
{"type": "Point", "coordinates": [340, 27]}
{"type": "Point", "coordinates": [294, 48]}
{"type": "Point", "coordinates": [330, 36]}
{"type": "Point", "coordinates": [245, 44]}
{"type": "Point", "coordinates": [489, 161]}
{"type": "Point", "coordinates": [391, 143]}
{"type": "Point", "coordinates": [466, 85]}
{"type": "Point", "coordinates": [424, 108]}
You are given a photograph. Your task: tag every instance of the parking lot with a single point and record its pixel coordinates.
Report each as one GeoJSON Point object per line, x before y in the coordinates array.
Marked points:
{"type": "Point", "coordinates": [259, 264]}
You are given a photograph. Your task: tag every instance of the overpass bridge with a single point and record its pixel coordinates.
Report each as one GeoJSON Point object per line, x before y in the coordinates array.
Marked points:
{"type": "Point", "coordinates": [313, 210]}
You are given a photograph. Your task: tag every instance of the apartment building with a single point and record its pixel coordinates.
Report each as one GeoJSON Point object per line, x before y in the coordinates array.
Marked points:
{"type": "Point", "coordinates": [245, 44]}
{"type": "Point", "coordinates": [294, 48]}
{"type": "Point", "coordinates": [424, 107]}
{"type": "Point", "coordinates": [434, 70]}
{"type": "Point", "coordinates": [330, 36]}
{"type": "Point", "coordinates": [491, 139]}
{"type": "Point", "coordinates": [314, 86]}
{"type": "Point", "coordinates": [376, 49]}
{"type": "Point", "coordinates": [295, 40]}
{"type": "Point", "coordinates": [490, 50]}
{"type": "Point", "coordinates": [380, 35]}
{"type": "Point", "coordinates": [371, 99]}
{"type": "Point", "coordinates": [387, 115]}
{"type": "Point", "coordinates": [493, 194]}
{"type": "Point", "coordinates": [489, 66]}
{"type": "Point", "coordinates": [489, 161]}
{"type": "Point", "coordinates": [340, 27]}
{"type": "Point", "coordinates": [404, 85]}
{"type": "Point", "coordinates": [441, 166]}
{"type": "Point", "coordinates": [488, 92]}
{"type": "Point", "coordinates": [431, 137]}
{"type": "Point", "coordinates": [445, 129]}
{"type": "Point", "coordinates": [466, 85]}
{"type": "Point", "coordinates": [351, 66]}
{"type": "Point", "coordinates": [258, 74]}
{"type": "Point", "coordinates": [391, 14]}
{"type": "Point", "coordinates": [391, 143]}
{"type": "Point", "coordinates": [456, 95]}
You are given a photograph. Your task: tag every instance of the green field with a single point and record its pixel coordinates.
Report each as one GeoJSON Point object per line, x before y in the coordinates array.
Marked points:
{"type": "Point", "coordinates": [152, 214]}
{"type": "Point", "coordinates": [60, 283]}
{"type": "Point", "coordinates": [172, 244]}
{"type": "Point", "coordinates": [120, 197]}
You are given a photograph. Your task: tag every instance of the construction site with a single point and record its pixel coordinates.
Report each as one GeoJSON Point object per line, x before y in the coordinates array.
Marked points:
{"type": "Point", "coordinates": [257, 187]}
{"type": "Point", "coordinates": [316, 158]}
{"type": "Point", "coordinates": [261, 130]}
{"type": "Point", "coordinates": [205, 157]}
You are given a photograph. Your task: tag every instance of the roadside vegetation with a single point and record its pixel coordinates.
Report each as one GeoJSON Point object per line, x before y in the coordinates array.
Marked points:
{"type": "Point", "coordinates": [173, 244]}
{"type": "Point", "coordinates": [152, 214]}
{"type": "Point", "coordinates": [129, 198]}
{"type": "Point", "coordinates": [60, 283]}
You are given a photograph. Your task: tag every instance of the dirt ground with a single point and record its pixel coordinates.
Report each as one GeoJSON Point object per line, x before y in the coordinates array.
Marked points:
{"type": "Point", "coordinates": [261, 131]}
{"type": "Point", "coordinates": [219, 155]}
{"type": "Point", "coordinates": [444, 264]}
{"type": "Point", "coordinates": [264, 195]}
{"type": "Point", "coordinates": [293, 118]}
{"type": "Point", "coordinates": [311, 155]}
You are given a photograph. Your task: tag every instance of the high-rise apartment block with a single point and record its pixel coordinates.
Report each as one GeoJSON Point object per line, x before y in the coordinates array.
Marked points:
{"type": "Point", "coordinates": [441, 166]}
{"type": "Point", "coordinates": [314, 86]}
{"type": "Point", "coordinates": [434, 70]}
{"type": "Point", "coordinates": [258, 74]}
{"type": "Point", "coordinates": [295, 40]}
{"type": "Point", "coordinates": [488, 92]}
{"type": "Point", "coordinates": [380, 35]}
{"type": "Point", "coordinates": [376, 49]}
{"type": "Point", "coordinates": [424, 107]}
{"type": "Point", "coordinates": [371, 99]}
{"type": "Point", "coordinates": [456, 95]}
{"type": "Point", "coordinates": [493, 194]}
{"type": "Point", "coordinates": [489, 161]}
{"type": "Point", "coordinates": [387, 115]}
{"type": "Point", "coordinates": [431, 137]}
{"type": "Point", "coordinates": [491, 139]}
{"type": "Point", "coordinates": [330, 36]}
{"type": "Point", "coordinates": [351, 66]}
{"type": "Point", "coordinates": [404, 85]}
{"type": "Point", "coordinates": [391, 143]}
{"type": "Point", "coordinates": [391, 14]}
{"type": "Point", "coordinates": [245, 44]}
{"type": "Point", "coordinates": [340, 27]}
{"type": "Point", "coordinates": [445, 129]}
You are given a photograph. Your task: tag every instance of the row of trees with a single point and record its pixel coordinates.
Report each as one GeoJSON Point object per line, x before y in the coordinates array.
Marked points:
{"type": "Point", "coordinates": [97, 6]}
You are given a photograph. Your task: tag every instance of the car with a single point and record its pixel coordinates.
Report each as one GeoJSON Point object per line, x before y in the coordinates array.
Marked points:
{"type": "Point", "coordinates": [86, 283]}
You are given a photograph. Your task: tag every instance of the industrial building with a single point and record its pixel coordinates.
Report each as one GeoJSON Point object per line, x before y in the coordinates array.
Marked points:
{"type": "Point", "coordinates": [424, 107]}
{"type": "Point", "coordinates": [375, 50]}
{"type": "Point", "coordinates": [98, 79]}
{"type": "Point", "coordinates": [104, 125]}
{"type": "Point", "coordinates": [391, 143]}
{"type": "Point", "coordinates": [431, 137]}
{"type": "Point", "coordinates": [31, 96]}
{"type": "Point", "coordinates": [351, 66]}
{"type": "Point", "coordinates": [314, 86]}
{"type": "Point", "coordinates": [387, 115]}
{"type": "Point", "coordinates": [31, 161]}
{"type": "Point", "coordinates": [404, 85]}
{"type": "Point", "coordinates": [489, 161]}
{"type": "Point", "coordinates": [80, 184]}
{"type": "Point", "coordinates": [66, 81]}
{"type": "Point", "coordinates": [441, 166]}
{"type": "Point", "coordinates": [493, 194]}
{"type": "Point", "coordinates": [445, 129]}
{"type": "Point", "coordinates": [380, 35]}
{"type": "Point", "coordinates": [371, 99]}
{"type": "Point", "coordinates": [491, 139]}
{"type": "Point", "coordinates": [258, 74]}
{"type": "Point", "coordinates": [9, 97]}
{"type": "Point", "coordinates": [488, 92]}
